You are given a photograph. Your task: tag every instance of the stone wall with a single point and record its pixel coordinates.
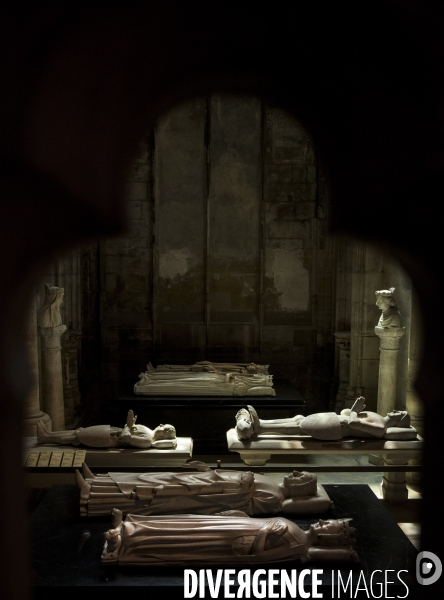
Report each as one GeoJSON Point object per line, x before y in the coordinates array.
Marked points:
{"type": "Point", "coordinates": [226, 255]}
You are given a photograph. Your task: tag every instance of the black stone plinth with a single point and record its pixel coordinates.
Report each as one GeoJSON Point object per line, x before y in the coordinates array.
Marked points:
{"type": "Point", "coordinates": [66, 548]}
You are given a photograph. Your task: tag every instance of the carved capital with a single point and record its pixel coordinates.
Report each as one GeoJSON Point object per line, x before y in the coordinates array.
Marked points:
{"type": "Point", "coordinates": [390, 337]}
{"type": "Point", "coordinates": [51, 336]}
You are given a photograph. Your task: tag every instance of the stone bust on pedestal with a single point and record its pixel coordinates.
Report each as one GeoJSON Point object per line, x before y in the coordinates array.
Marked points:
{"type": "Point", "coordinates": [49, 313]}
{"type": "Point", "coordinates": [390, 331]}
{"type": "Point", "coordinates": [390, 316]}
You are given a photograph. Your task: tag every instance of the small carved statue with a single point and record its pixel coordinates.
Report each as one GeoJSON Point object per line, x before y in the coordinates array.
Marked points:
{"type": "Point", "coordinates": [229, 538]}
{"type": "Point", "coordinates": [49, 313]}
{"type": "Point", "coordinates": [105, 436]}
{"type": "Point", "coordinates": [390, 316]}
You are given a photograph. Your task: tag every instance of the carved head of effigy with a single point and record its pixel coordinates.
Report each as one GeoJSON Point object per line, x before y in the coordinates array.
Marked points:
{"type": "Point", "coordinates": [243, 414]}
{"type": "Point", "coordinates": [301, 483]}
{"type": "Point", "coordinates": [334, 533]}
{"type": "Point", "coordinates": [164, 432]}
{"type": "Point", "coordinates": [398, 418]}
{"type": "Point", "coordinates": [385, 299]}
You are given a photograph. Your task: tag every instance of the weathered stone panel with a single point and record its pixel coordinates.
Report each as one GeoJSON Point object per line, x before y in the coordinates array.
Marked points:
{"type": "Point", "coordinates": [180, 197]}
{"type": "Point", "coordinates": [235, 181]}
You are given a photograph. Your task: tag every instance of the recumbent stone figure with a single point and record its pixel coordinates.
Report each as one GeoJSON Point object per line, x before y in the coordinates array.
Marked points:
{"type": "Point", "coordinates": [106, 436]}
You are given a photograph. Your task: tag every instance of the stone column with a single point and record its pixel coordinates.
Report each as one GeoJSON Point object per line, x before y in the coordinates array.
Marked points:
{"type": "Point", "coordinates": [51, 330]}
{"type": "Point", "coordinates": [32, 411]}
{"type": "Point", "coordinates": [343, 339]}
{"type": "Point", "coordinates": [388, 367]}
{"type": "Point", "coordinates": [66, 272]}
{"type": "Point", "coordinates": [52, 377]}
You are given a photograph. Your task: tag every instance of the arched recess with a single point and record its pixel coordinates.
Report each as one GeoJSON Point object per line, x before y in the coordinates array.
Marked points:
{"type": "Point", "coordinates": [82, 84]}
{"type": "Point", "coordinates": [226, 256]}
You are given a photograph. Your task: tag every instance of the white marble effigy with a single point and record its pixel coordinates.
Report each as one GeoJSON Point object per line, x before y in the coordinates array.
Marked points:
{"type": "Point", "coordinates": [205, 491]}
{"type": "Point", "coordinates": [206, 379]}
{"type": "Point", "coordinates": [226, 539]}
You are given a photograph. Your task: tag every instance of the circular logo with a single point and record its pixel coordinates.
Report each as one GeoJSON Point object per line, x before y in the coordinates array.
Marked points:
{"type": "Point", "coordinates": [428, 568]}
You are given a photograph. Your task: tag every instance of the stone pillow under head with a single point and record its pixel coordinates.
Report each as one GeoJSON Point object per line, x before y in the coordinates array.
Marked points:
{"type": "Point", "coordinates": [400, 433]}
{"type": "Point", "coordinates": [171, 443]}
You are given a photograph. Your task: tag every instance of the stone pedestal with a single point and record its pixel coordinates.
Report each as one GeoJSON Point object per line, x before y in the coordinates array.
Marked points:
{"type": "Point", "coordinates": [393, 485]}
{"type": "Point", "coordinates": [32, 411]}
{"type": "Point", "coordinates": [343, 339]}
{"type": "Point", "coordinates": [52, 377]}
{"type": "Point", "coordinates": [388, 367]}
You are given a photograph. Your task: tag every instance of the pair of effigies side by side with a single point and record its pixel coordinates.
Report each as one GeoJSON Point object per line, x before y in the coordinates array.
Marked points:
{"type": "Point", "coordinates": [155, 534]}
{"type": "Point", "coordinates": [211, 517]}
{"type": "Point", "coordinates": [206, 379]}
{"type": "Point", "coordinates": [355, 422]}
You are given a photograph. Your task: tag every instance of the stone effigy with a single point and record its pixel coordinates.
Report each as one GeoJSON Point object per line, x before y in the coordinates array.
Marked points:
{"type": "Point", "coordinates": [231, 538]}
{"type": "Point", "coordinates": [106, 436]}
{"type": "Point", "coordinates": [211, 367]}
{"type": "Point", "coordinates": [206, 379]}
{"type": "Point", "coordinates": [355, 422]}
{"type": "Point", "coordinates": [205, 491]}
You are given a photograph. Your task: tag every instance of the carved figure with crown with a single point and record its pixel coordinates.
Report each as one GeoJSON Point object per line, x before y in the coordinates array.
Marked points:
{"type": "Point", "coordinates": [230, 538]}
{"type": "Point", "coordinates": [390, 315]}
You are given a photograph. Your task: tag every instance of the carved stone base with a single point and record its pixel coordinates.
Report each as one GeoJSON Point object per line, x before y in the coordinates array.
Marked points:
{"type": "Point", "coordinates": [394, 492]}
{"type": "Point", "coordinates": [393, 485]}
{"type": "Point", "coordinates": [255, 460]}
